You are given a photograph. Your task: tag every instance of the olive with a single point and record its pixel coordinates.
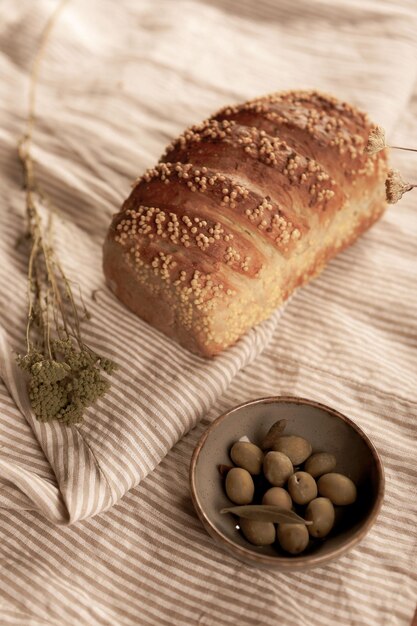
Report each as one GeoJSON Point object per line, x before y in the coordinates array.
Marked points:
{"type": "Point", "coordinates": [302, 487]}
{"type": "Point", "coordinates": [277, 496]}
{"type": "Point", "coordinates": [258, 533]}
{"type": "Point", "coordinates": [338, 488]}
{"type": "Point", "coordinates": [277, 468]}
{"type": "Point", "coordinates": [320, 463]}
{"type": "Point", "coordinates": [296, 448]}
{"type": "Point", "coordinates": [293, 538]}
{"type": "Point", "coordinates": [239, 486]}
{"type": "Point", "coordinates": [320, 511]}
{"type": "Point", "coordinates": [248, 456]}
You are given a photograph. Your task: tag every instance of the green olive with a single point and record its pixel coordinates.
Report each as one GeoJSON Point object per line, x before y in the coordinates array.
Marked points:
{"type": "Point", "coordinates": [277, 496]}
{"type": "Point", "coordinates": [320, 511]}
{"type": "Point", "coordinates": [293, 538]}
{"type": "Point", "coordinates": [302, 487]}
{"type": "Point", "coordinates": [296, 448]}
{"type": "Point", "coordinates": [320, 463]}
{"type": "Point", "coordinates": [258, 533]}
{"type": "Point", "coordinates": [239, 486]}
{"type": "Point", "coordinates": [338, 488]}
{"type": "Point", "coordinates": [277, 468]}
{"type": "Point", "coordinates": [248, 456]}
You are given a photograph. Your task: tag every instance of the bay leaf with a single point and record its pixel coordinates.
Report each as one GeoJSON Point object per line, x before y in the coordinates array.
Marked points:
{"type": "Point", "coordinates": [266, 513]}
{"type": "Point", "coordinates": [273, 434]}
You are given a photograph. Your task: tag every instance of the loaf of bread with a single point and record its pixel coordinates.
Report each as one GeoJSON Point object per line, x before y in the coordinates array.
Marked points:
{"type": "Point", "coordinates": [240, 211]}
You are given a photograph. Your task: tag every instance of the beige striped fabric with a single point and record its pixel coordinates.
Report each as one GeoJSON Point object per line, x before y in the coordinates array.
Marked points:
{"type": "Point", "coordinates": [96, 522]}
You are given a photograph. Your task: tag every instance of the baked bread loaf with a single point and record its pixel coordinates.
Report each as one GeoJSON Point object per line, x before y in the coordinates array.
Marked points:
{"type": "Point", "coordinates": [240, 211]}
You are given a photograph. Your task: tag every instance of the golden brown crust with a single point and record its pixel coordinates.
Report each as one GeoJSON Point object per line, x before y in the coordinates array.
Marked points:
{"type": "Point", "coordinates": [241, 210]}
{"type": "Point", "coordinates": [320, 126]}
{"type": "Point", "coordinates": [187, 190]}
{"type": "Point", "coordinates": [262, 160]}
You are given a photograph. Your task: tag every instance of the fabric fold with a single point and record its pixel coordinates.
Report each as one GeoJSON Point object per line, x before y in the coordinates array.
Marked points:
{"type": "Point", "coordinates": [94, 467]}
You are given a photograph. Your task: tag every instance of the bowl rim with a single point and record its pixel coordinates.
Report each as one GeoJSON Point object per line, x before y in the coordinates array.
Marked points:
{"type": "Point", "coordinates": [293, 562]}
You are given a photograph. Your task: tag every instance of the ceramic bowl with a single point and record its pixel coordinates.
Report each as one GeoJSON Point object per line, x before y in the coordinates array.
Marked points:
{"type": "Point", "coordinates": [327, 430]}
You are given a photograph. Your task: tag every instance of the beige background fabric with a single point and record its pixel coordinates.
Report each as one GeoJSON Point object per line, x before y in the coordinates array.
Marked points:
{"type": "Point", "coordinates": [119, 80]}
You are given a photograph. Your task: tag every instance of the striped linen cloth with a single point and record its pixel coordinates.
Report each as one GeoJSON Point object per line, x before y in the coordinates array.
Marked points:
{"type": "Point", "coordinates": [118, 80]}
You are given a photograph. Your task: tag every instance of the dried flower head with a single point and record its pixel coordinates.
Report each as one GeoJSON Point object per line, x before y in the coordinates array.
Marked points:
{"type": "Point", "coordinates": [376, 140]}
{"type": "Point", "coordinates": [395, 186]}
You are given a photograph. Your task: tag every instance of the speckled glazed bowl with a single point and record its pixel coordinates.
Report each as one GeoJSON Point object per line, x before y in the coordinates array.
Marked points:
{"type": "Point", "coordinates": [328, 431]}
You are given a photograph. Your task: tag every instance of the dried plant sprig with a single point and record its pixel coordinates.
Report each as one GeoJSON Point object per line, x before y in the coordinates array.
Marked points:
{"type": "Point", "coordinates": [377, 142]}
{"type": "Point", "coordinates": [396, 187]}
{"type": "Point", "coordinates": [65, 375]}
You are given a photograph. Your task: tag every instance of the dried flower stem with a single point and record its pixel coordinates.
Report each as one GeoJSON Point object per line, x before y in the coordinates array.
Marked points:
{"type": "Point", "coordinates": [64, 372]}
{"type": "Point", "coordinates": [31, 186]}
{"type": "Point", "coordinates": [401, 148]}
